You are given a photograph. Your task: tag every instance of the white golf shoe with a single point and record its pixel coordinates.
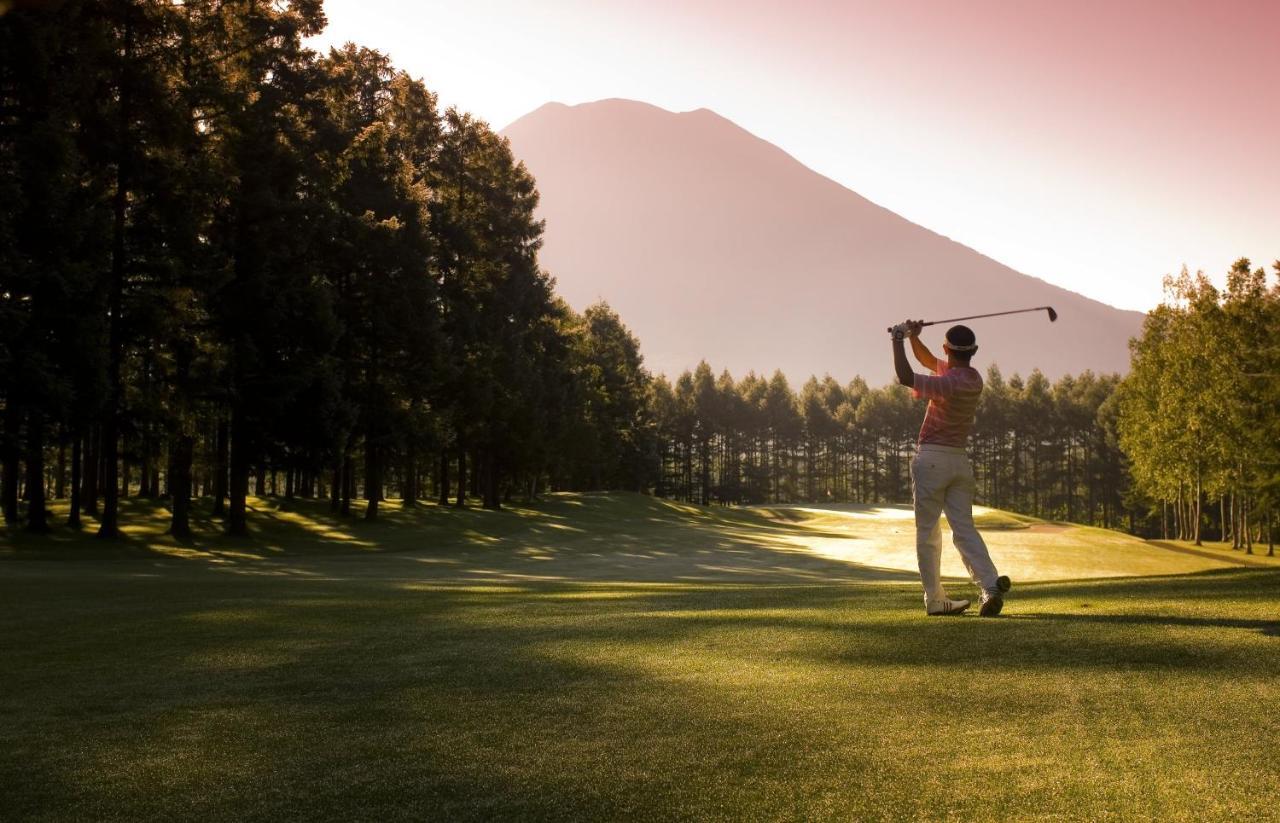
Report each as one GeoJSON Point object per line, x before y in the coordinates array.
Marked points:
{"type": "Point", "coordinates": [938, 608]}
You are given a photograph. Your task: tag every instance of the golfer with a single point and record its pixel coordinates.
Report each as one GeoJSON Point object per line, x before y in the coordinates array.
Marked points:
{"type": "Point", "coordinates": [941, 476]}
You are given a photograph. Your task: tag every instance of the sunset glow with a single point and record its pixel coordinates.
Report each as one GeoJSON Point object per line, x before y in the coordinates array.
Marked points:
{"type": "Point", "coordinates": [1098, 146]}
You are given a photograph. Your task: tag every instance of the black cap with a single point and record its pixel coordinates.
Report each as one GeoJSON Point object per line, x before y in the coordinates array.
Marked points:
{"type": "Point", "coordinates": [961, 339]}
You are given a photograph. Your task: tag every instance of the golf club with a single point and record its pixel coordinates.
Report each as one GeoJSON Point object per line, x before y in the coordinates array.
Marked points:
{"type": "Point", "coordinates": [1053, 316]}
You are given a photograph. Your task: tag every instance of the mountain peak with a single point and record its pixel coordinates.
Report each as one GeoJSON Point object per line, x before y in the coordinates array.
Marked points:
{"type": "Point", "coordinates": [713, 243]}
{"type": "Point", "coordinates": [616, 107]}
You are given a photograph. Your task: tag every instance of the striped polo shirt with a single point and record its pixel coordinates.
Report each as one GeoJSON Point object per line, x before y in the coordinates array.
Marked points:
{"type": "Point", "coordinates": [953, 402]}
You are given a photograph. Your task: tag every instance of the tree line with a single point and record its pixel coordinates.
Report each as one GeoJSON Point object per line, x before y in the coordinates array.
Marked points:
{"type": "Point", "coordinates": [1200, 409]}
{"type": "Point", "coordinates": [1048, 449]}
{"type": "Point", "coordinates": [232, 265]}
{"type": "Point", "coordinates": [229, 260]}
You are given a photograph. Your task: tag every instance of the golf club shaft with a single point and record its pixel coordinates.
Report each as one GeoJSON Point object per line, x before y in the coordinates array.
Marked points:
{"type": "Point", "coordinates": [1053, 316]}
{"type": "Point", "coordinates": [979, 316]}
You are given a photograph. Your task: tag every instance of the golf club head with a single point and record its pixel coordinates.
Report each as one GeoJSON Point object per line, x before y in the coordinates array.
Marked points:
{"type": "Point", "coordinates": [1053, 315]}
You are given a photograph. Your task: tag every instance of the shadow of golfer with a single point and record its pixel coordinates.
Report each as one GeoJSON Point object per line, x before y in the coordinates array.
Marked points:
{"type": "Point", "coordinates": [1269, 628]}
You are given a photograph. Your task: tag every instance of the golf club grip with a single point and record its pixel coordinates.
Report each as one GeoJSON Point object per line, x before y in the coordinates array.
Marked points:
{"type": "Point", "coordinates": [929, 323]}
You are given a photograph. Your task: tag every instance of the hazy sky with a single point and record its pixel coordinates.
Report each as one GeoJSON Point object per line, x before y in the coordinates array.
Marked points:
{"type": "Point", "coordinates": [1096, 145]}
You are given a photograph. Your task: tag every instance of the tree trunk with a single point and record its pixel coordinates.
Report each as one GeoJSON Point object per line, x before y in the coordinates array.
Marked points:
{"type": "Point", "coordinates": [237, 522]}
{"type": "Point", "coordinates": [109, 522]}
{"type": "Point", "coordinates": [181, 447]}
{"type": "Point", "coordinates": [1235, 521]}
{"type": "Point", "coordinates": [109, 525]}
{"type": "Point", "coordinates": [91, 471]}
{"type": "Point", "coordinates": [37, 516]}
{"type": "Point", "coordinates": [409, 487]}
{"type": "Point", "coordinates": [462, 476]}
{"type": "Point", "coordinates": [335, 492]}
{"type": "Point", "coordinates": [10, 454]}
{"type": "Point", "coordinates": [125, 479]}
{"type": "Point", "coordinates": [1199, 496]}
{"type": "Point", "coordinates": [144, 468]}
{"type": "Point", "coordinates": [348, 485]}
{"type": "Point", "coordinates": [73, 511]}
{"type": "Point", "coordinates": [1246, 527]}
{"type": "Point", "coordinates": [60, 469]}
{"type": "Point", "coordinates": [222, 444]}
{"type": "Point", "coordinates": [704, 478]}
{"type": "Point", "coordinates": [372, 479]}
{"type": "Point", "coordinates": [260, 481]}
{"type": "Point", "coordinates": [443, 480]}
{"type": "Point", "coordinates": [1179, 519]}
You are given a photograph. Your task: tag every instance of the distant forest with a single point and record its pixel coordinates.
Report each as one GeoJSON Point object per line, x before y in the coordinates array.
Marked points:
{"type": "Point", "coordinates": [231, 266]}
{"type": "Point", "coordinates": [1042, 448]}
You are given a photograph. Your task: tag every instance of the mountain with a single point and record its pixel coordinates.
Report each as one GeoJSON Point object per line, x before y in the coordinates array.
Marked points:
{"type": "Point", "coordinates": [712, 243]}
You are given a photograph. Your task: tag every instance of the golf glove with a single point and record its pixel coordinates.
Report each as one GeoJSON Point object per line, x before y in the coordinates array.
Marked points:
{"type": "Point", "coordinates": [906, 328]}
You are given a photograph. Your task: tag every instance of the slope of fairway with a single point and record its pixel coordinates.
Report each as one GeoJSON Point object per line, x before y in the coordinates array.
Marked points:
{"type": "Point", "coordinates": [616, 536]}
{"type": "Point", "coordinates": [604, 657]}
{"type": "Point", "coordinates": [1027, 548]}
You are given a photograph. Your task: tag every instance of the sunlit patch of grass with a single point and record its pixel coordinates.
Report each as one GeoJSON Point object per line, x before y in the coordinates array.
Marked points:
{"type": "Point", "coordinates": [194, 693]}
{"type": "Point", "coordinates": [609, 656]}
{"type": "Point", "coordinates": [617, 537]}
{"type": "Point", "coordinates": [988, 518]}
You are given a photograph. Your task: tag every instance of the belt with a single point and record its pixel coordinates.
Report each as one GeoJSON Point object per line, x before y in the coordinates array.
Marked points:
{"type": "Point", "coordinates": [935, 447]}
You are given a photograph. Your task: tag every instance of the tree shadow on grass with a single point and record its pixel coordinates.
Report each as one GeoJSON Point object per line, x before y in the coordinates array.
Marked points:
{"type": "Point", "coordinates": [1221, 556]}
{"type": "Point", "coordinates": [578, 538]}
{"type": "Point", "coordinates": [1210, 585]}
{"type": "Point", "coordinates": [284, 525]}
{"type": "Point", "coordinates": [236, 697]}
{"type": "Point", "coordinates": [299, 703]}
{"type": "Point", "coordinates": [1174, 600]}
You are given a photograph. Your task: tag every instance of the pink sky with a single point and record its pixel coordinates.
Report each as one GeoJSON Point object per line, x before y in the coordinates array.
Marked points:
{"type": "Point", "coordinates": [1095, 145]}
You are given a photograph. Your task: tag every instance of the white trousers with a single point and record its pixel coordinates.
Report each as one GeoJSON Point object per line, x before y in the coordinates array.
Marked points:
{"type": "Point", "coordinates": [942, 480]}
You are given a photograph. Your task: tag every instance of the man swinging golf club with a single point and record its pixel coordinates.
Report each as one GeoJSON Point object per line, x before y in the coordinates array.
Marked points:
{"type": "Point", "coordinates": [941, 476]}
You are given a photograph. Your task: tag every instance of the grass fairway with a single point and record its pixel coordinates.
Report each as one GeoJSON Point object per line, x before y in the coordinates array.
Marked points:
{"type": "Point", "coordinates": [602, 657]}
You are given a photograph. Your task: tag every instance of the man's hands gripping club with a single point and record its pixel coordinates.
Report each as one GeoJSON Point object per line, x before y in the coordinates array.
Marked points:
{"type": "Point", "coordinates": [907, 328]}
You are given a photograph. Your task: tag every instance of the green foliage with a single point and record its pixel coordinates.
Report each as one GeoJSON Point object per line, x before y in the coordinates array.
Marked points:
{"type": "Point", "coordinates": [611, 443]}
{"type": "Point", "coordinates": [1038, 447]}
{"type": "Point", "coordinates": [1198, 411]}
{"type": "Point", "coordinates": [227, 258]}
{"type": "Point", "coordinates": [216, 229]}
